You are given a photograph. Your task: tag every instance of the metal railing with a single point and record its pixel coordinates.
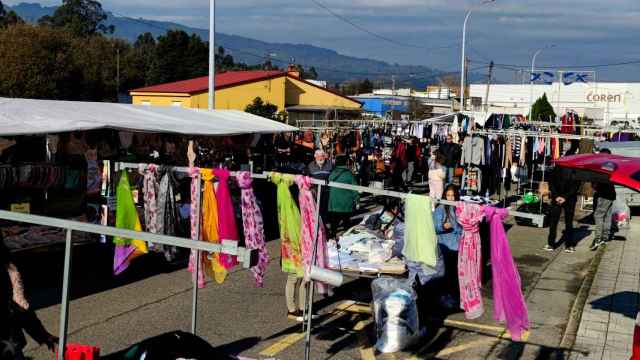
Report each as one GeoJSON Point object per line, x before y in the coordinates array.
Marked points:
{"type": "Point", "coordinates": [228, 247]}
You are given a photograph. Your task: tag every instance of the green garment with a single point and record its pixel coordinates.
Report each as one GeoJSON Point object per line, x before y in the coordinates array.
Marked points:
{"type": "Point", "coordinates": [420, 240]}
{"type": "Point", "coordinates": [290, 224]}
{"type": "Point", "coordinates": [342, 200]}
{"type": "Point", "coordinates": [126, 213]}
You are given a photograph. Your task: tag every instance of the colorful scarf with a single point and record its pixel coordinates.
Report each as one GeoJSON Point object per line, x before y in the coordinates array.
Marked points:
{"type": "Point", "coordinates": [289, 221]}
{"type": "Point", "coordinates": [195, 219]}
{"type": "Point", "coordinates": [253, 226]}
{"type": "Point", "coordinates": [307, 232]}
{"type": "Point", "coordinates": [227, 228]}
{"type": "Point", "coordinates": [210, 225]}
{"type": "Point", "coordinates": [508, 301]}
{"type": "Point", "coordinates": [470, 259]}
{"type": "Point", "coordinates": [126, 218]}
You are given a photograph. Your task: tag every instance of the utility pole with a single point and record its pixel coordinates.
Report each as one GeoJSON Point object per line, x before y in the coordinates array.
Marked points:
{"type": "Point", "coordinates": [393, 84]}
{"type": "Point", "coordinates": [466, 82]}
{"type": "Point", "coordinates": [486, 95]}
{"type": "Point", "coordinates": [212, 57]}
{"type": "Point", "coordinates": [117, 74]}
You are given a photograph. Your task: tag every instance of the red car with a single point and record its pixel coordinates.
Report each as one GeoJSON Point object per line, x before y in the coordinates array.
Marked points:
{"type": "Point", "coordinates": [620, 170]}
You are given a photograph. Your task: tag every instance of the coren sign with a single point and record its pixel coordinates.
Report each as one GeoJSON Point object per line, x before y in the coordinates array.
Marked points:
{"type": "Point", "coordinates": [606, 98]}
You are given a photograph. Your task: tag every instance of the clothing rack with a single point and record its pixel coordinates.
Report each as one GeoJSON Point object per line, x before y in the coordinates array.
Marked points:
{"type": "Point", "coordinates": [536, 219]}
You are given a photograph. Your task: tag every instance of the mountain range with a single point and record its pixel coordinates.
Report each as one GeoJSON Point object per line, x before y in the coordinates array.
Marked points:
{"type": "Point", "coordinates": [330, 65]}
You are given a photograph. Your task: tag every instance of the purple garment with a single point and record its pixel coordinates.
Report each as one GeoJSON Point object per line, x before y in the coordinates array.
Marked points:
{"type": "Point", "coordinates": [121, 258]}
{"type": "Point", "coordinates": [508, 301]}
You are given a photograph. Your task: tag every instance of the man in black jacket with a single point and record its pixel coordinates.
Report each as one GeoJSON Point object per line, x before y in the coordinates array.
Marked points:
{"type": "Point", "coordinates": [451, 152]}
{"type": "Point", "coordinates": [564, 195]}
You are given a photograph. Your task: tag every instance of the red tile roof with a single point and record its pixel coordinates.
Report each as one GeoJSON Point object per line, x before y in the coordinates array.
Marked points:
{"type": "Point", "coordinates": [230, 78]}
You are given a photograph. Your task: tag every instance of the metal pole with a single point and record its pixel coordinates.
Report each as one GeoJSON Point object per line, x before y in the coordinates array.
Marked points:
{"type": "Point", "coordinates": [544, 166]}
{"type": "Point", "coordinates": [64, 304]}
{"type": "Point", "coordinates": [212, 57]}
{"type": "Point", "coordinates": [309, 310]}
{"type": "Point", "coordinates": [533, 67]}
{"type": "Point", "coordinates": [462, 66]}
{"type": "Point", "coordinates": [194, 309]}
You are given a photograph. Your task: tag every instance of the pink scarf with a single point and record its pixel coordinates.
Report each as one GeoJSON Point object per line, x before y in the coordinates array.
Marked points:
{"type": "Point", "coordinates": [195, 217]}
{"type": "Point", "coordinates": [253, 226]}
{"type": "Point", "coordinates": [307, 232]}
{"type": "Point", "coordinates": [470, 259]}
{"type": "Point", "coordinates": [227, 229]}
{"type": "Point", "coordinates": [508, 301]}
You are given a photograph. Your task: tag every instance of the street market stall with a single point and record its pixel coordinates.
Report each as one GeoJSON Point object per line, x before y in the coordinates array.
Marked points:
{"type": "Point", "coordinates": [48, 119]}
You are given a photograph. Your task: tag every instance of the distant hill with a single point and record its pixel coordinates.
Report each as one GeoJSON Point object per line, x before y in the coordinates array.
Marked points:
{"type": "Point", "coordinates": [330, 65]}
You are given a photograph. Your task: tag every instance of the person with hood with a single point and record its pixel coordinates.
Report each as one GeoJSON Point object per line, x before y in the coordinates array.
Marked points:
{"type": "Point", "coordinates": [16, 315]}
{"type": "Point", "coordinates": [342, 202]}
{"type": "Point", "coordinates": [564, 196]}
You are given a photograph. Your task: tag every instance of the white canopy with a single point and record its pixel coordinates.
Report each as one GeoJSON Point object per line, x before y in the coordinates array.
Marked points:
{"type": "Point", "coordinates": [26, 116]}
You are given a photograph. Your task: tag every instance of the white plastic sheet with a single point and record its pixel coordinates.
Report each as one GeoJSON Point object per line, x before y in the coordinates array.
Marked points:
{"type": "Point", "coordinates": [28, 116]}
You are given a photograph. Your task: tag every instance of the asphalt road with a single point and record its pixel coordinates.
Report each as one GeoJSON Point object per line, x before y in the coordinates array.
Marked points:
{"type": "Point", "coordinates": [240, 319]}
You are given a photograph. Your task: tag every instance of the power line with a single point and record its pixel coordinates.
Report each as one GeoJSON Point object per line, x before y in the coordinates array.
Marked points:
{"type": "Point", "coordinates": [374, 34]}
{"type": "Point", "coordinates": [286, 62]}
{"type": "Point", "coordinates": [513, 66]}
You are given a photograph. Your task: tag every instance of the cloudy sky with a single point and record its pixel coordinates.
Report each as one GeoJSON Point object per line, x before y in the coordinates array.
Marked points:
{"type": "Point", "coordinates": [428, 32]}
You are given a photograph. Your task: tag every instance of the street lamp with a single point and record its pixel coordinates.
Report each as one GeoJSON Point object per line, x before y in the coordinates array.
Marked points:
{"type": "Point", "coordinates": [464, 38]}
{"type": "Point", "coordinates": [533, 69]}
{"type": "Point", "coordinates": [212, 59]}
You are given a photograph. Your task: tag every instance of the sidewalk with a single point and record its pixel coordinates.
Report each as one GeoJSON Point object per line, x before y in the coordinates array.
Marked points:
{"type": "Point", "coordinates": [608, 318]}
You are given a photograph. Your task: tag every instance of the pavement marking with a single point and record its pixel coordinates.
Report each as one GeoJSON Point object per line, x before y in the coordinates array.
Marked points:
{"type": "Point", "coordinates": [291, 339]}
{"type": "Point", "coordinates": [366, 349]}
{"type": "Point", "coordinates": [282, 344]}
{"type": "Point", "coordinates": [463, 347]}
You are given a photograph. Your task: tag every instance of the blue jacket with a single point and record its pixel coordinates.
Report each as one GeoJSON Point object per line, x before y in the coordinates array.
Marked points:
{"type": "Point", "coordinates": [449, 238]}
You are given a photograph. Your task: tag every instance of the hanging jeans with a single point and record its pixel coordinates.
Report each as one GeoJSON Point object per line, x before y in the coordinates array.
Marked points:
{"type": "Point", "coordinates": [449, 172]}
{"type": "Point", "coordinates": [569, 208]}
{"type": "Point", "coordinates": [602, 216]}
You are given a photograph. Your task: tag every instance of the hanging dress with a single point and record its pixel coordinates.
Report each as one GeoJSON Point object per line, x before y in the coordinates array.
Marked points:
{"type": "Point", "coordinates": [227, 228]}
{"type": "Point", "coordinates": [126, 218]}
{"type": "Point", "coordinates": [308, 228]}
{"type": "Point", "coordinates": [150, 191]}
{"type": "Point", "coordinates": [252, 223]}
{"type": "Point", "coordinates": [168, 215]}
{"type": "Point", "coordinates": [289, 224]}
{"type": "Point", "coordinates": [194, 212]}
{"type": "Point", "coordinates": [508, 301]}
{"type": "Point", "coordinates": [210, 225]}
{"type": "Point", "coordinates": [470, 259]}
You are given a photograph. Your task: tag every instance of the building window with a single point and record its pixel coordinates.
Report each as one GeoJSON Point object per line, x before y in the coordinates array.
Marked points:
{"type": "Point", "coordinates": [176, 103]}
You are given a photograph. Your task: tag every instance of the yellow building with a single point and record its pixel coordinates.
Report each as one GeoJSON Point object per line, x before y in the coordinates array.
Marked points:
{"type": "Point", "coordinates": [301, 99]}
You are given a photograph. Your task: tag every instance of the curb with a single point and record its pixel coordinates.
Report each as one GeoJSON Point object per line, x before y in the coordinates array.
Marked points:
{"type": "Point", "coordinates": [575, 317]}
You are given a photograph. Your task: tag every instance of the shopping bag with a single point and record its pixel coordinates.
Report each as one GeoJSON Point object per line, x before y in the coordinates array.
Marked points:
{"type": "Point", "coordinates": [81, 352]}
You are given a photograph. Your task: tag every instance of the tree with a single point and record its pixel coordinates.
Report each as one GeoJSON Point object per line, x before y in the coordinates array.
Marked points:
{"type": "Point", "coordinates": [311, 74]}
{"type": "Point", "coordinates": [258, 107]}
{"type": "Point", "coordinates": [178, 56]}
{"type": "Point", "coordinates": [365, 87]}
{"type": "Point", "coordinates": [8, 18]}
{"type": "Point", "coordinates": [80, 17]}
{"type": "Point", "coordinates": [542, 110]}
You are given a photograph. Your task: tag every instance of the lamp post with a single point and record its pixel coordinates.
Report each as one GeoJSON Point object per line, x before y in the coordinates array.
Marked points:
{"type": "Point", "coordinates": [212, 58]}
{"type": "Point", "coordinates": [464, 38]}
{"type": "Point", "coordinates": [533, 69]}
